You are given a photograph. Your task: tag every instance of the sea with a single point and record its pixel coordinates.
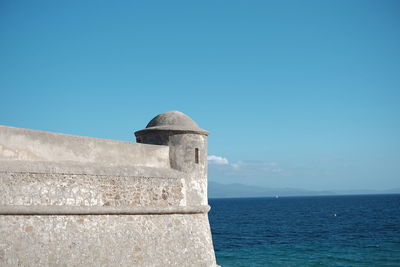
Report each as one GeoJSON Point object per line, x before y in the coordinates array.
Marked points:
{"type": "Point", "coordinates": [358, 230]}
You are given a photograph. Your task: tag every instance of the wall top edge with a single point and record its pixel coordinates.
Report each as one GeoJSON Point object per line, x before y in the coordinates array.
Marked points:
{"type": "Point", "coordinates": [56, 134]}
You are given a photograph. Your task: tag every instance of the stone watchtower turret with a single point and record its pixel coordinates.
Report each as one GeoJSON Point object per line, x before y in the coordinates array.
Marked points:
{"type": "Point", "coordinates": [187, 149]}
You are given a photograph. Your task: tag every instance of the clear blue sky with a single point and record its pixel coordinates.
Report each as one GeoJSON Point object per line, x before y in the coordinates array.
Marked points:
{"type": "Point", "coordinates": [295, 93]}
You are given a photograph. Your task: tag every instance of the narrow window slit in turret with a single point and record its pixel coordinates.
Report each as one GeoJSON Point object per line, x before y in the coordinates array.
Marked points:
{"type": "Point", "coordinates": [196, 155]}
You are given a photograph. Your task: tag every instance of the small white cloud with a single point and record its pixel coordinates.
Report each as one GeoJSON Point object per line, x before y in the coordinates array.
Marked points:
{"type": "Point", "coordinates": [217, 160]}
{"type": "Point", "coordinates": [237, 165]}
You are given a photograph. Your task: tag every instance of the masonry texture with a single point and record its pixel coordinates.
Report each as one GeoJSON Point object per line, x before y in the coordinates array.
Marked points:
{"type": "Point", "coordinates": [77, 201]}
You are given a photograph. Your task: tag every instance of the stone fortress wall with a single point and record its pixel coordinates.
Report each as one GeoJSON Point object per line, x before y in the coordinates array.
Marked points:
{"type": "Point", "coordinates": [77, 201]}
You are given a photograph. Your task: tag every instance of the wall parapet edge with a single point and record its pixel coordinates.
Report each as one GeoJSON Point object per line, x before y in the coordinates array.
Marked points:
{"type": "Point", "coordinates": [33, 145]}
{"type": "Point", "coordinates": [23, 166]}
{"type": "Point", "coordinates": [102, 210]}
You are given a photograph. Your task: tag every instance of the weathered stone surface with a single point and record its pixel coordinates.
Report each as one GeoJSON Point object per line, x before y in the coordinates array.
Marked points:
{"type": "Point", "coordinates": [107, 240]}
{"type": "Point", "coordinates": [55, 189]}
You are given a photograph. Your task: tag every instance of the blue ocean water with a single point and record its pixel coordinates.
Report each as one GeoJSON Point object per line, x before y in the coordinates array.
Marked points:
{"type": "Point", "coordinates": [307, 231]}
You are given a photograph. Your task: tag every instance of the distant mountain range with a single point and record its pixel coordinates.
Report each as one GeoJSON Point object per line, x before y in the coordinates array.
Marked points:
{"type": "Point", "coordinates": [217, 190]}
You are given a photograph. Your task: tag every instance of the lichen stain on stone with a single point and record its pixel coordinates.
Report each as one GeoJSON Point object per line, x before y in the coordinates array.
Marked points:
{"type": "Point", "coordinates": [29, 229]}
{"type": "Point", "coordinates": [164, 194]}
{"type": "Point", "coordinates": [137, 249]}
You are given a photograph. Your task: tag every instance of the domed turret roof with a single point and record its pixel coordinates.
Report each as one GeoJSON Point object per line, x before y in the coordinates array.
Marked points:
{"type": "Point", "coordinates": [173, 121]}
